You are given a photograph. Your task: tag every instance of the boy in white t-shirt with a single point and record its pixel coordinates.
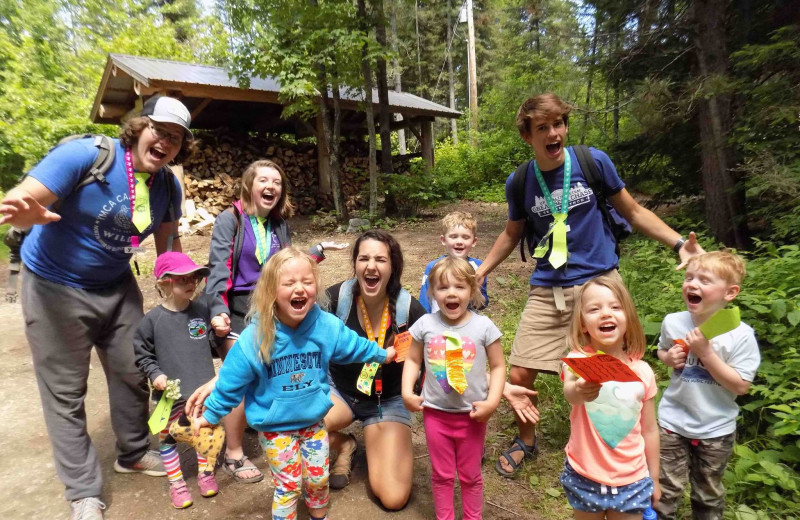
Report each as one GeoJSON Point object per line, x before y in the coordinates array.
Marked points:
{"type": "Point", "coordinates": [698, 410]}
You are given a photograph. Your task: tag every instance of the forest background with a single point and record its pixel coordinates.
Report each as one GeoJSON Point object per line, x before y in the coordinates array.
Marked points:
{"type": "Point", "coordinates": [696, 102]}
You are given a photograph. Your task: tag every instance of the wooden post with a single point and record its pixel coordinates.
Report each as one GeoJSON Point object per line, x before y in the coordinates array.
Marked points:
{"type": "Point", "coordinates": [426, 129]}
{"type": "Point", "coordinates": [177, 169]}
{"type": "Point", "coordinates": [323, 160]}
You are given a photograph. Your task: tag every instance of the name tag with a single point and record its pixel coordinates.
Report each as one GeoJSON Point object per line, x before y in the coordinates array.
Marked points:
{"type": "Point", "coordinates": [133, 250]}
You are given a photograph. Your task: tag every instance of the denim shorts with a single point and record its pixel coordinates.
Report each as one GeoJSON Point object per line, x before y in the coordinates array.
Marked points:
{"type": "Point", "coordinates": [587, 495]}
{"type": "Point", "coordinates": [366, 411]}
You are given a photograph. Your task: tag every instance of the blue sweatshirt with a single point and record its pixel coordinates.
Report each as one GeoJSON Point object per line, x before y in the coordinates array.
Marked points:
{"type": "Point", "coordinates": [292, 391]}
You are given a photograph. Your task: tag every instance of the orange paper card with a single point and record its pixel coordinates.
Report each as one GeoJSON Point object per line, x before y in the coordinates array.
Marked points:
{"type": "Point", "coordinates": [601, 368]}
{"type": "Point", "coordinates": [402, 342]}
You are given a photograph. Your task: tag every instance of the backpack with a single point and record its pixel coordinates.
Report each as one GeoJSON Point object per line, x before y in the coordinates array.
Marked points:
{"type": "Point", "coordinates": [345, 303]}
{"type": "Point", "coordinates": [620, 227]}
{"type": "Point", "coordinates": [96, 173]}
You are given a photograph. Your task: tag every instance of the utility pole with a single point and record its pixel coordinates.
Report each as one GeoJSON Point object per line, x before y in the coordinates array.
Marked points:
{"type": "Point", "coordinates": [473, 77]}
{"type": "Point", "coordinates": [453, 123]}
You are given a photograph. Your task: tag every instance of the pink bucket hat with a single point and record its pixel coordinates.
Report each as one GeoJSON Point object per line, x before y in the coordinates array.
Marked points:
{"type": "Point", "coordinates": [178, 264]}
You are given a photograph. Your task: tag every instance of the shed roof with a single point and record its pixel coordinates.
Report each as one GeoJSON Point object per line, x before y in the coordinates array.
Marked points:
{"type": "Point", "coordinates": [215, 99]}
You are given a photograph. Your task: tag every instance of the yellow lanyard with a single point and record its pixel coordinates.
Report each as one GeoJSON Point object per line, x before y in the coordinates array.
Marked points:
{"type": "Point", "coordinates": [364, 382]}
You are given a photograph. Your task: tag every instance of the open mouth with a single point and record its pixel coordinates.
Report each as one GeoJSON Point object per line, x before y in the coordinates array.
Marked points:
{"type": "Point", "coordinates": [158, 155]}
{"type": "Point", "coordinates": [608, 328]}
{"type": "Point", "coordinates": [372, 282]}
{"type": "Point", "coordinates": [268, 199]}
{"type": "Point", "coordinates": [298, 303]}
{"type": "Point", "coordinates": [452, 306]}
{"type": "Point", "coordinates": [694, 299]}
{"type": "Point", "coordinates": [553, 148]}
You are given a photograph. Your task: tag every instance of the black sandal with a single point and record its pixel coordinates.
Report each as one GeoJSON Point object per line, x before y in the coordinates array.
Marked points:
{"type": "Point", "coordinates": [519, 445]}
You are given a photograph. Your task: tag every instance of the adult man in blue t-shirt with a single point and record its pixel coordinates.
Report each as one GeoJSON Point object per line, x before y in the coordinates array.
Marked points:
{"type": "Point", "coordinates": [78, 290]}
{"type": "Point", "coordinates": [540, 340]}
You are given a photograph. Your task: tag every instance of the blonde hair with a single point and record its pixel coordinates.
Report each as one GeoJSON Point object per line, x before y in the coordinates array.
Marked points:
{"type": "Point", "coordinates": [459, 218]}
{"type": "Point", "coordinates": [164, 287]}
{"type": "Point", "coordinates": [264, 296]}
{"type": "Point", "coordinates": [543, 105]}
{"type": "Point", "coordinates": [459, 269]}
{"type": "Point", "coordinates": [634, 340]}
{"type": "Point", "coordinates": [283, 208]}
{"type": "Point", "coordinates": [728, 266]}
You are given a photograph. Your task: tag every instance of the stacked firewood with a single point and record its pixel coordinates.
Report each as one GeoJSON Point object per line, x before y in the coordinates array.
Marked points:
{"type": "Point", "coordinates": [213, 176]}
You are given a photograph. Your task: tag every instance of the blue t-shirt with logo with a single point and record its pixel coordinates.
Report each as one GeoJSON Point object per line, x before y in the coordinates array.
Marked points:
{"type": "Point", "coordinates": [86, 248]}
{"type": "Point", "coordinates": [590, 242]}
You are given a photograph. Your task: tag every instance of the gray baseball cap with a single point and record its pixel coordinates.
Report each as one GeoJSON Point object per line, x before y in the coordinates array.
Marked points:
{"type": "Point", "coordinates": [168, 110]}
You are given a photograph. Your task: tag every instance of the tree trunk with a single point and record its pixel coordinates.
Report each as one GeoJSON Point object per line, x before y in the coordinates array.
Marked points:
{"type": "Point", "coordinates": [383, 100]}
{"type": "Point", "coordinates": [398, 83]}
{"type": "Point", "coordinates": [448, 50]}
{"type": "Point", "coordinates": [332, 142]}
{"type": "Point", "coordinates": [366, 71]}
{"type": "Point", "coordinates": [592, 59]}
{"type": "Point", "coordinates": [383, 91]}
{"type": "Point", "coordinates": [725, 211]}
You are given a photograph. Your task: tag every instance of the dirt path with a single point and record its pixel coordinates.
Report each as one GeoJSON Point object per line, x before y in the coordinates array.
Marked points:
{"type": "Point", "coordinates": [29, 487]}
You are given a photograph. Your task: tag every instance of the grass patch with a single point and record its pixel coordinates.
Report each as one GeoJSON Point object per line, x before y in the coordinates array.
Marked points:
{"type": "Point", "coordinates": [3, 246]}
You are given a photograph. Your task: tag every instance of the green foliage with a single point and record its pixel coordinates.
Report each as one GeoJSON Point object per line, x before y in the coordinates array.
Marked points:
{"type": "Point", "coordinates": [464, 170]}
{"type": "Point", "coordinates": [417, 189]}
{"type": "Point", "coordinates": [3, 246]}
{"type": "Point", "coordinates": [764, 474]}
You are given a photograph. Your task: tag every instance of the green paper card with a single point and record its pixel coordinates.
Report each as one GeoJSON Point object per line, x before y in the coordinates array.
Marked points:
{"type": "Point", "coordinates": [722, 321]}
{"type": "Point", "coordinates": [160, 416]}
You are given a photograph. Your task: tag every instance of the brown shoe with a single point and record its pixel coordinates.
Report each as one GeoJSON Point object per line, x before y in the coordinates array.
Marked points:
{"type": "Point", "coordinates": [340, 470]}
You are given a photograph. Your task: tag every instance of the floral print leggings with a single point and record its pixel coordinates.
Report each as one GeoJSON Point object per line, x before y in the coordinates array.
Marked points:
{"type": "Point", "coordinates": [299, 463]}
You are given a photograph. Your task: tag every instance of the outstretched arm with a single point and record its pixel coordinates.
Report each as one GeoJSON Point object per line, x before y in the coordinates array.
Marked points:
{"type": "Point", "coordinates": [26, 205]}
{"type": "Point", "coordinates": [646, 222]}
{"type": "Point", "coordinates": [520, 399]}
{"type": "Point", "coordinates": [503, 246]}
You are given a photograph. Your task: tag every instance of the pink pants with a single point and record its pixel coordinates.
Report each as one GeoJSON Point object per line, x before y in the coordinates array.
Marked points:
{"type": "Point", "coordinates": [455, 443]}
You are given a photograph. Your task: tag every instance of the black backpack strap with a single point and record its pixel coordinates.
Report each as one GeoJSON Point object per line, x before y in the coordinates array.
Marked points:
{"type": "Point", "coordinates": [238, 236]}
{"type": "Point", "coordinates": [590, 172]}
{"type": "Point", "coordinates": [518, 193]}
{"type": "Point", "coordinates": [102, 163]}
{"type": "Point", "coordinates": [595, 182]}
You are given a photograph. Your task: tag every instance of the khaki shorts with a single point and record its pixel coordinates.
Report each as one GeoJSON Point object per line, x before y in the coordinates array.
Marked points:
{"type": "Point", "coordinates": [541, 338]}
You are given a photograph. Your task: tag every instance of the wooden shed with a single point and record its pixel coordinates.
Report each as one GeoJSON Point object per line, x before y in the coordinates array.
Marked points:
{"type": "Point", "coordinates": [216, 100]}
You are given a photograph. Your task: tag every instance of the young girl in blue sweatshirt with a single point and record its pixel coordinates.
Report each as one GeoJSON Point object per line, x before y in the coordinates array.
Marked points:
{"type": "Point", "coordinates": [279, 365]}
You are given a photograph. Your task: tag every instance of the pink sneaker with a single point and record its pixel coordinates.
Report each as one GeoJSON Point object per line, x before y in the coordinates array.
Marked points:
{"type": "Point", "coordinates": [207, 483]}
{"type": "Point", "coordinates": [181, 498]}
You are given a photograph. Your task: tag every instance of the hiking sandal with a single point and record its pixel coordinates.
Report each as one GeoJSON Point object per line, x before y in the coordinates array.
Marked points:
{"type": "Point", "coordinates": [519, 445]}
{"type": "Point", "coordinates": [238, 467]}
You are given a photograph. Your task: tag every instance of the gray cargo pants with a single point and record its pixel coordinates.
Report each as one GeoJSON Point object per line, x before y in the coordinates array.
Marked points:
{"type": "Point", "coordinates": [62, 325]}
{"type": "Point", "coordinates": [700, 461]}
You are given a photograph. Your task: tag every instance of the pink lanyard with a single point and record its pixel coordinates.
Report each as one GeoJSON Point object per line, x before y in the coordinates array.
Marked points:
{"type": "Point", "coordinates": [132, 190]}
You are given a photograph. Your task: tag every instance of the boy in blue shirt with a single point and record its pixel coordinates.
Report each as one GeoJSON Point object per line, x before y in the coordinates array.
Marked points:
{"type": "Point", "coordinates": [459, 236]}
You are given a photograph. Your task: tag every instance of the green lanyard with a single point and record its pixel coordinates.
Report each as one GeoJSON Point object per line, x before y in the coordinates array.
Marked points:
{"type": "Point", "coordinates": [262, 245]}
{"type": "Point", "coordinates": [558, 229]}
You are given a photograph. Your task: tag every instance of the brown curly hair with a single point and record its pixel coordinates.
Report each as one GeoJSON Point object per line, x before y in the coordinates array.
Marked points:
{"type": "Point", "coordinates": [133, 128]}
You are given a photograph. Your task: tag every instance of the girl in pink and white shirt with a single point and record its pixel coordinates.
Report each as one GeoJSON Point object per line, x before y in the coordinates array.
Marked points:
{"type": "Point", "coordinates": [612, 464]}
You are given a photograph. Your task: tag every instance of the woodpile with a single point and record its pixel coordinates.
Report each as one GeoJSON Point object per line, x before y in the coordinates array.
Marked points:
{"type": "Point", "coordinates": [213, 176]}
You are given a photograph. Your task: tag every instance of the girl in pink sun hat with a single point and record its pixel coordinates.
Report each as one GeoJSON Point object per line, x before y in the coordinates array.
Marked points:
{"type": "Point", "coordinates": [171, 343]}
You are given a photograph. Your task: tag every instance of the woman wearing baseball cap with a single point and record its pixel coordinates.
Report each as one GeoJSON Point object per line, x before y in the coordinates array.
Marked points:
{"type": "Point", "coordinates": [78, 291]}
